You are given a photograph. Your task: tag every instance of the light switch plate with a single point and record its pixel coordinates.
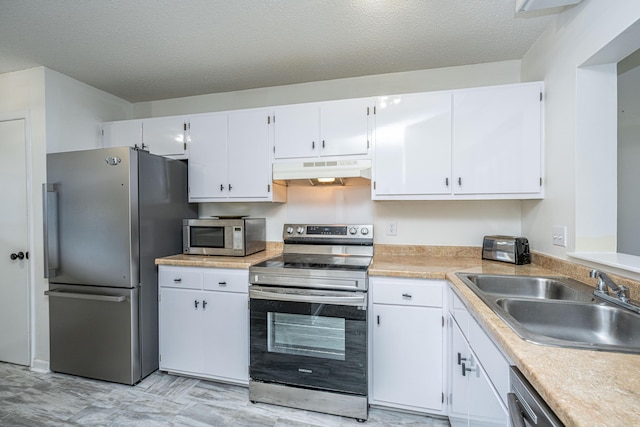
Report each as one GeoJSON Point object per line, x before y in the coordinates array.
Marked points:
{"type": "Point", "coordinates": [559, 235]}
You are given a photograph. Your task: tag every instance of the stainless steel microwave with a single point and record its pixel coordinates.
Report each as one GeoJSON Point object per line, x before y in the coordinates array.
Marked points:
{"type": "Point", "coordinates": [227, 237]}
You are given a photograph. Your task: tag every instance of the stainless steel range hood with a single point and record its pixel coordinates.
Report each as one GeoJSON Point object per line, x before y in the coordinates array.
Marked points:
{"type": "Point", "coordinates": [324, 172]}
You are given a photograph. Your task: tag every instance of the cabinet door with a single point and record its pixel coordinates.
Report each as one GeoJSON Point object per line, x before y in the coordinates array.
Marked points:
{"type": "Point", "coordinates": [413, 144]}
{"type": "Point", "coordinates": [407, 356]}
{"type": "Point", "coordinates": [497, 140]}
{"type": "Point", "coordinates": [122, 133]}
{"type": "Point", "coordinates": [296, 131]}
{"type": "Point", "coordinates": [226, 336]}
{"type": "Point", "coordinates": [459, 385]}
{"type": "Point", "coordinates": [164, 136]}
{"type": "Point", "coordinates": [485, 406]}
{"type": "Point", "coordinates": [249, 163]}
{"type": "Point", "coordinates": [343, 127]}
{"type": "Point", "coordinates": [181, 330]}
{"type": "Point", "coordinates": [208, 157]}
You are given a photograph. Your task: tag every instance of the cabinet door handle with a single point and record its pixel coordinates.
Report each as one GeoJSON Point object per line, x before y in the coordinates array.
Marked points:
{"type": "Point", "coordinates": [465, 370]}
{"type": "Point", "coordinates": [222, 284]}
{"type": "Point", "coordinates": [460, 358]}
{"type": "Point", "coordinates": [221, 187]}
{"type": "Point", "coordinates": [230, 187]}
{"type": "Point", "coordinates": [446, 182]}
{"type": "Point", "coordinates": [407, 296]}
{"type": "Point", "coordinates": [313, 145]}
{"type": "Point", "coordinates": [204, 304]}
{"type": "Point", "coordinates": [323, 143]}
{"type": "Point", "coordinates": [460, 181]}
{"type": "Point", "coordinates": [378, 319]}
{"type": "Point", "coordinates": [195, 303]}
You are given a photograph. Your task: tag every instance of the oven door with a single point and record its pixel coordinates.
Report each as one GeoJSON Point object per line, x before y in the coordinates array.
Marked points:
{"type": "Point", "coordinates": [309, 338]}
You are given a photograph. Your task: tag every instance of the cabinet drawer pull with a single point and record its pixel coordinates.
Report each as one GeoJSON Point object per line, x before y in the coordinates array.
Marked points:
{"type": "Point", "coordinates": [222, 284]}
{"type": "Point", "coordinates": [405, 295]}
{"type": "Point", "coordinates": [178, 280]}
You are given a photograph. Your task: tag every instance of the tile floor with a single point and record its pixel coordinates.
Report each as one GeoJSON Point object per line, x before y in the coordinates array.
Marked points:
{"type": "Point", "coordinates": [33, 399]}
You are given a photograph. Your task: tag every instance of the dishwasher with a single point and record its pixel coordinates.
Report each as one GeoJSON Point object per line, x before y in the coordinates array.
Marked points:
{"type": "Point", "coordinates": [526, 407]}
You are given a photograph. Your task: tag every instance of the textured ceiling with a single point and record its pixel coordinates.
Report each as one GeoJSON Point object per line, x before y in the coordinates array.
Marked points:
{"type": "Point", "coordinates": [143, 50]}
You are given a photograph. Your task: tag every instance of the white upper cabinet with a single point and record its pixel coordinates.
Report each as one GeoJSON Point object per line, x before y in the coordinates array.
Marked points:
{"type": "Point", "coordinates": [413, 144]}
{"type": "Point", "coordinates": [164, 136]}
{"type": "Point", "coordinates": [481, 143]}
{"type": "Point", "coordinates": [497, 140]}
{"type": "Point", "coordinates": [208, 156]}
{"type": "Point", "coordinates": [230, 159]}
{"type": "Point", "coordinates": [122, 133]}
{"type": "Point", "coordinates": [333, 128]}
{"type": "Point", "coordinates": [249, 163]}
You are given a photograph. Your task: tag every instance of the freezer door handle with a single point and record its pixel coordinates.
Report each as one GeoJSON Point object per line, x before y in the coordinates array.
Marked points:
{"type": "Point", "coordinates": [103, 298]}
{"type": "Point", "coordinates": [50, 229]}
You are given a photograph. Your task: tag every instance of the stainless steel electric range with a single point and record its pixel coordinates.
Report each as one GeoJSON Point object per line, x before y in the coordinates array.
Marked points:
{"type": "Point", "coordinates": [308, 323]}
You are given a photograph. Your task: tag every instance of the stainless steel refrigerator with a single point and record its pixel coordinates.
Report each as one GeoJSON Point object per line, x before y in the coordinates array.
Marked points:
{"type": "Point", "coordinates": [108, 214]}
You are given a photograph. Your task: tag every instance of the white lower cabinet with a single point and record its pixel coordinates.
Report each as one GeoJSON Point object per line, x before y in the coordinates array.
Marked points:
{"type": "Point", "coordinates": [477, 385]}
{"type": "Point", "coordinates": [204, 322]}
{"type": "Point", "coordinates": [407, 344]}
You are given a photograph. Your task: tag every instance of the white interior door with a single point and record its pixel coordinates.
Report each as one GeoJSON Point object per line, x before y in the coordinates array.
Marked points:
{"type": "Point", "coordinates": [14, 263]}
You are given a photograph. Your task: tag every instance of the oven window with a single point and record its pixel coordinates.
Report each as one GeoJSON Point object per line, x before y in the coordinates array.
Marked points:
{"type": "Point", "coordinates": [306, 335]}
{"type": "Point", "coordinates": [207, 237]}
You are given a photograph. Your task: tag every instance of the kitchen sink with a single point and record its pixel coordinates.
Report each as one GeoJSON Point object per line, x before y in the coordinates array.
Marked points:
{"type": "Point", "coordinates": [593, 326]}
{"type": "Point", "coordinates": [530, 287]}
{"type": "Point", "coordinates": [557, 311]}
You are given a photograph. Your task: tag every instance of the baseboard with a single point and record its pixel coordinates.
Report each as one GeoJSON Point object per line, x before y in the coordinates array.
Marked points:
{"type": "Point", "coordinates": [40, 366]}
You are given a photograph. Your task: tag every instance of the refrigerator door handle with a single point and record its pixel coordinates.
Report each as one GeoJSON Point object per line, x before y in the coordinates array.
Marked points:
{"type": "Point", "coordinates": [50, 229]}
{"type": "Point", "coordinates": [104, 298]}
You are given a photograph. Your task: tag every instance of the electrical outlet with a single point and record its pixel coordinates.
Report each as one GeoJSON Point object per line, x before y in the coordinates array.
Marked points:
{"type": "Point", "coordinates": [559, 235]}
{"type": "Point", "coordinates": [392, 228]}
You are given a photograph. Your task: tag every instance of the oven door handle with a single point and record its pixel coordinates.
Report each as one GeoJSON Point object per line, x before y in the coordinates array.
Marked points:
{"type": "Point", "coordinates": [351, 300]}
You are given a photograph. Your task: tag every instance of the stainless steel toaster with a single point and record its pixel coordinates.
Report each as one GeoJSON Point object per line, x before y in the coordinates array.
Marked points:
{"type": "Point", "coordinates": [514, 250]}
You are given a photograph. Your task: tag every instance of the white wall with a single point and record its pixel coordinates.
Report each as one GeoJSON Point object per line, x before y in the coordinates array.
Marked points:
{"type": "Point", "coordinates": [420, 223]}
{"type": "Point", "coordinates": [382, 84]}
{"type": "Point", "coordinates": [573, 133]}
{"type": "Point", "coordinates": [628, 161]}
{"type": "Point", "coordinates": [75, 112]}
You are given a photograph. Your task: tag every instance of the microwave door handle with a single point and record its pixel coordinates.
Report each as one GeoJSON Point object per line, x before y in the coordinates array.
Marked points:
{"type": "Point", "coordinates": [50, 229]}
{"type": "Point", "coordinates": [357, 300]}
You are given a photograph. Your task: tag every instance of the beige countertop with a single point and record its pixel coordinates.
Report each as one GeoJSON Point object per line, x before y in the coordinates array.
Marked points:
{"type": "Point", "coordinates": [182, 260]}
{"type": "Point", "coordinates": [583, 387]}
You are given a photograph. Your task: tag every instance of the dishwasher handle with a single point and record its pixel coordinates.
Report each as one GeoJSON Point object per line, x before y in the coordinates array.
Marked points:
{"type": "Point", "coordinates": [93, 297]}
{"type": "Point", "coordinates": [516, 414]}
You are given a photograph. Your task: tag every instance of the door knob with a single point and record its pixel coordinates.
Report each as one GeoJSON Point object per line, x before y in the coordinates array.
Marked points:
{"type": "Point", "coordinates": [19, 255]}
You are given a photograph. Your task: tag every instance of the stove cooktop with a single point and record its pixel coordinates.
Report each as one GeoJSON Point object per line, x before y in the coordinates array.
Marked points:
{"type": "Point", "coordinates": [318, 262]}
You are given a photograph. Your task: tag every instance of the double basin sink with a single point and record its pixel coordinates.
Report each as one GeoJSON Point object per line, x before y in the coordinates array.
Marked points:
{"type": "Point", "coordinates": [557, 311]}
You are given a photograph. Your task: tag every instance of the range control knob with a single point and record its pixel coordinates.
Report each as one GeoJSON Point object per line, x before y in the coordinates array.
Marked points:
{"type": "Point", "coordinates": [289, 230]}
{"type": "Point", "coordinates": [364, 231]}
{"type": "Point", "coordinates": [300, 230]}
{"type": "Point", "coordinates": [353, 230]}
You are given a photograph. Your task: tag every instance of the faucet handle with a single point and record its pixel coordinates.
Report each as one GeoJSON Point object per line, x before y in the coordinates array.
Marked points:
{"type": "Point", "coordinates": [622, 293]}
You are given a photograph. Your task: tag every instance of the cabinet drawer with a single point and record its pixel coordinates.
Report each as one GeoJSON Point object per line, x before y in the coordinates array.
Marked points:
{"type": "Point", "coordinates": [416, 292]}
{"type": "Point", "coordinates": [229, 280]}
{"type": "Point", "coordinates": [179, 277]}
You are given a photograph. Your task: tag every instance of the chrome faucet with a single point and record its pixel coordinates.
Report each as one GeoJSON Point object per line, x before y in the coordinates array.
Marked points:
{"type": "Point", "coordinates": [604, 282]}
